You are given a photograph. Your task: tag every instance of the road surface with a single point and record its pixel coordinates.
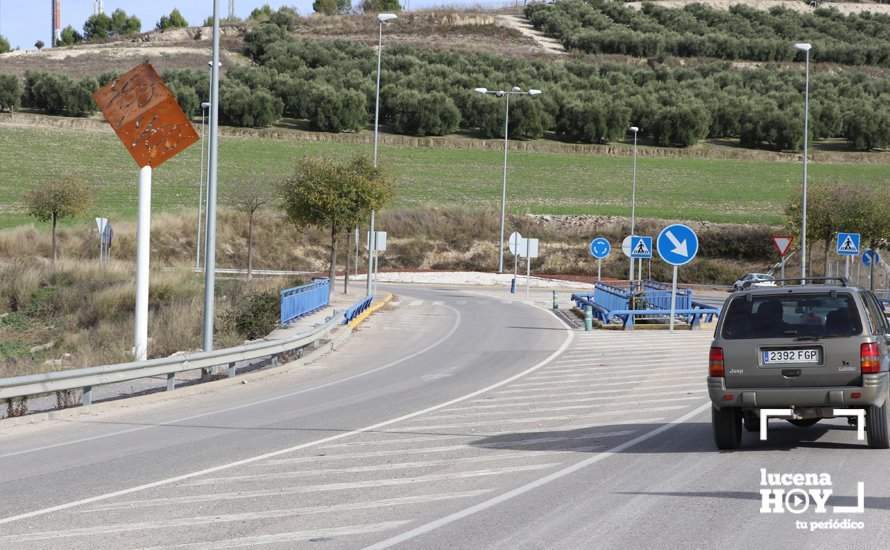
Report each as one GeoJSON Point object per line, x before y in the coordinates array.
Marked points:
{"type": "Point", "coordinates": [455, 421]}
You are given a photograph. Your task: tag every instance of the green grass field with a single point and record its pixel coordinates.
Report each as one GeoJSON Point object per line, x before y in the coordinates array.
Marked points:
{"type": "Point", "coordinates": [542, 183]}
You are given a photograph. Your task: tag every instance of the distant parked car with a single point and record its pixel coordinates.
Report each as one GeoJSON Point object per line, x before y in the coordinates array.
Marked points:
{"type": "Point", "coordinates": [753, 279]}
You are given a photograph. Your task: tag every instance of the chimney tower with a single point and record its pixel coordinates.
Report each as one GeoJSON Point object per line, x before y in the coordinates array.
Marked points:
{"type": "Point", "coordinates": [57, 22]}
{"type": "Point", "coordinates": [98, 7]}
{"type": "Point", "coordinates": [231, 9]}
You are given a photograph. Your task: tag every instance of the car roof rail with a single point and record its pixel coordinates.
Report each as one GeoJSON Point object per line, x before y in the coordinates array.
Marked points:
{"type": "Point", "coordinates": [802, 281]}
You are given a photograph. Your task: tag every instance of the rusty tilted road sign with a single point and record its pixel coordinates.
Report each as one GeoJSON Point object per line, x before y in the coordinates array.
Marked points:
{"type": "Point", "coordinates": [145, 116]}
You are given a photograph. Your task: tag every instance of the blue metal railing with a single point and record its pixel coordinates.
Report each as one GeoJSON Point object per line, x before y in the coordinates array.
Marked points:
{"type": "Point", "coordinates": [357, 309]}
{"type": "Point", "coordinates": [302, 300]}
{"type": "Point", "coordinates": [611, 297]}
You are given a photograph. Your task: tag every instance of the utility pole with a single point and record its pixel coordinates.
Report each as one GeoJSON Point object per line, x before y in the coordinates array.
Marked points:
{"type": "Point", "coordinates": [210, 236]}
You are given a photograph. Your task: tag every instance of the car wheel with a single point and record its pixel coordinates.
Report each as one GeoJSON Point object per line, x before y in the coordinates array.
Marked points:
{"type": "Point", "coordinates": [751, 422]}
{"type": "Point", "coordinates": [804, 422]}
{"type": "Point", "coordinates": [727, 425]}
{"type": "Point", "coordinates": [876, 427]}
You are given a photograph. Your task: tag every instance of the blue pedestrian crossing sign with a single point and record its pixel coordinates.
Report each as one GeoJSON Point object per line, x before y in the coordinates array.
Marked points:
{"type": "Point", "coordinates": [848, 244]}
{"type": "Point", "coordinates": [640, 247]}
{"type": "Point", "coordinates": [677, 244]}
{"type": "Point", "coordinates": [870, 257]}
{"type": "Point", "coordinates": [600, 248]}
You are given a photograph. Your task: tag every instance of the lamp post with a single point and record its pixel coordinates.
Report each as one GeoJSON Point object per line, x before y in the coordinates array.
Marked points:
{"type": "Point", "coordinates": [198, 229]}
{"type": "Point", "coordinates": [506, 94]}
{"type": "Point", "coordinates": [213, 154]}
{"type": "Point", "coordinates": [633, 208]}
{"type": "Point", "coordinates": [805, 47]}
{"type": "Point", "coordinates": [372, 241]}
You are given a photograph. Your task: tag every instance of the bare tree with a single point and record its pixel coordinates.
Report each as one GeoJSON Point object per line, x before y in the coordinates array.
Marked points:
{"type": "Point", "coordinates": [249, 199]}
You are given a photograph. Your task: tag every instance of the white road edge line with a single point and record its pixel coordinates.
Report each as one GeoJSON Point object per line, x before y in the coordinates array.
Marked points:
{"type": "Point", "coordinates": [570, 336]}
{"type": "Point", "coordinates": [482, 506]}
{"type": "Point", "coordinates": [437, 343]}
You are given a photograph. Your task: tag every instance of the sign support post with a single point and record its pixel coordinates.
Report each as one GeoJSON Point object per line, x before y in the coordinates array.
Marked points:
{"type": "Point", "coordinates": [673, 298]}
{"type": "Point", "coordinates": [528, 268]}
{"type": "Point", "coordinates": [599, 270]}
{"type": "Point", "coordinates": [143, 247]}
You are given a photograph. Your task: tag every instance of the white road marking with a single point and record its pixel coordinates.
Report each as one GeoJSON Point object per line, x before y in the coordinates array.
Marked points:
{"type": "Point", "coordinates": [389, 467]}
{"type": "Point", "coordinates": [535, 408]}
{"type": "Point", "coordinates": [416, 303]}
{"type": "Point", "coordinates": [370, 454]}
{"type": "Point", "coordinates": [491, 422]}
{"type": "Point", "coordinates": [389, 365]}
{"type": "Point", "coordinates": [524, 388]}
{"type": "Point", "coordinates": [244, 516]}
{"type": "Point", "coordinates": [570, 335]}
{"type": "Point", "coordinates": [597, 370]}
{"type": "Point", "coordinates": [635, 397]}
{"type": "Point", "coordinates": [280, 538]}
{"type": "Point", "coordinates": [321, 488]}
{"type": "Point", "coordinates": [422, 439]}
{"type": "Point", "coordinates": [509, 495]}
{"type": "Point", "coordinates": [536, 394]}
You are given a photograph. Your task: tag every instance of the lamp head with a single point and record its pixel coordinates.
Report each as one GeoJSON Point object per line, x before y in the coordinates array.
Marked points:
{"type": "Point", "coordinates": [516, 89]}
{"type": "Point", "coordinates": [803, 46]}
{"type": "Point", "coordinates": [384, 17]}
{"type": "Point", "coordinates": [481, 90]}
{"type": "Point", "coordinates": [534, 92]}
{"type": "Point", "coordinates": [634, 129]}
{"type": "Point", "coordinates": [205, 105]}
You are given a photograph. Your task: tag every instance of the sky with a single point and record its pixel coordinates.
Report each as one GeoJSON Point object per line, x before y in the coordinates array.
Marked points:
{"type": "Point", "coordinates": [24, 22]}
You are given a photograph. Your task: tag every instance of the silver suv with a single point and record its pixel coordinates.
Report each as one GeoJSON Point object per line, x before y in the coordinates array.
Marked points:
{"type": "Point", "coordinates": [809, 348]}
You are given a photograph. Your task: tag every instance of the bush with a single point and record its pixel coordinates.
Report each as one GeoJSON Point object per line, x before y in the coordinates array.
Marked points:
{"type": "Point", "coordinates": [241, 106]}
{"type": "Point", "coordinates": [173, 21]}
{"type": "Point", "coordinates": [256, 315]}
{"type": "Point", "coordinates": [423, 115]}
{"type": "Point", "coordinates": [333, 110]}
{"type": "Point", "coordinates": [4, 44]}
{"type": "Point", "coordinates": [10, 93]}
{"type": "Point", "coordinates": [59, 95]}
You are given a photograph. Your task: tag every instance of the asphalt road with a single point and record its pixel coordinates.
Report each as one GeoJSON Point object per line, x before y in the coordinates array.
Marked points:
{"type": "Point", "coordinates": [454, 421]}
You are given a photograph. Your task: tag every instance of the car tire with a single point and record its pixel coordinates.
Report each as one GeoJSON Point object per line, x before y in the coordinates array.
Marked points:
{"type": "Point", "coordinates": [727, 425]}
{"type": "Point", "coordinates": [804, 422]}
{"type": "Point", "coordinates": [876, 427]}
{"type": "Point", "coordinates": [751, 422]}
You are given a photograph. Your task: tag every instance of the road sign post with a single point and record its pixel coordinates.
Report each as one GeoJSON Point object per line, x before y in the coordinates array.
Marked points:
{"type": "Point", "coordinates": [599, 248]}
{"type": "Point", "coordinates": [530, 248]}
{"type": "Point", "coordinates": [515, 243]}
{"type": "Point", "coordinates": [147, 119]}
{"type": "Point", "coordinates": [870, 258]}
{"type": "Point", "coordinates": [677, 245]}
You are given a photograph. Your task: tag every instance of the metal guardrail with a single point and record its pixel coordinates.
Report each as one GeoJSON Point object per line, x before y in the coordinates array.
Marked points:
{"type": "Point", "coordinates": [90, 377]}
{"type": "Point", "coordinates": [693, 312]}
{"type": "Point", "coordinates": [304, 299]}
{"type": "Point", "coordinates": [356, 309]}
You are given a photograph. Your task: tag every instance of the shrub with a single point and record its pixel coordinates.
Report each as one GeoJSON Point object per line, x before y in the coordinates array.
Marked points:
{"type": "Point", "coordinates": [432, 114]}
{"type": "Point", "coordinates": [10, 92]}
{"type": "Point", "coordinates": [241, 106]}
{"type": "Point", "coordinates": [256, 315]}
{"type": "Point", "coordinates": [4, 44]}
{"type": "Point", "coordinates": [333, 110]}
{"type": "Point", "coordinates": [173, 21]}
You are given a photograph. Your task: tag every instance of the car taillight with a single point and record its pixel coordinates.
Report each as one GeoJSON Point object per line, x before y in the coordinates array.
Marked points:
{"type": "Point", "coordinates": [869, 358]}
{"type": "Point", "coordinates": [715, 363]}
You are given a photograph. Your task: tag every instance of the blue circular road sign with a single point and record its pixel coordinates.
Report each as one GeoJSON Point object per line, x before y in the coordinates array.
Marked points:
{"type": "Point", "coordinates": [600, 248]}
{"type": "Point", "coordinates": [677, 244]}
{"type": "Point", "coordinates": [870, 256]}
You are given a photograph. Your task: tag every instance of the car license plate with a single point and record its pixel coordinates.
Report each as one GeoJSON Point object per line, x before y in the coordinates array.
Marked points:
{"type": "Point", "coordinates": [786, 356]}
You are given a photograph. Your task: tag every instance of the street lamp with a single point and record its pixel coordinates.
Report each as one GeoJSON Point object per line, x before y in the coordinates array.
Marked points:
{"type": "Point", "coordinates": [516, 90]}
{"type": "Point", "coordinates": [204, 107]}
{"type": "Point", "coordinates": [213, 154]}
{"type": "Point", "coordinates": [633, 208]}
{"type": "Point", "coordinates": [805, 47]}
{"type": "Point", "coordinates": [372, 240]}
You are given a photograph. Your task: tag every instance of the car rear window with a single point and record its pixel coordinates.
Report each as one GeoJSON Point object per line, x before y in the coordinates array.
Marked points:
{"type": "Point", "coordinates": [791, 316]}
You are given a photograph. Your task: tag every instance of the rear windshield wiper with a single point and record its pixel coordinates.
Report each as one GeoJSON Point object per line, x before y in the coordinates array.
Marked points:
{"type": "Point", "coordinates": [807, 338]}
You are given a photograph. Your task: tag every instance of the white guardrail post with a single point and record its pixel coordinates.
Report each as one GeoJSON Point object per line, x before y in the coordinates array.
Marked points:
{"type": "Point", "coordinates": [87, 379]}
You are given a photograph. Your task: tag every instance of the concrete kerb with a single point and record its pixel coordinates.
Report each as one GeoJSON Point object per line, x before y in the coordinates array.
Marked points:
{"type": "Point", "coordinates": [370, 311]}
{"type": "Point", "coordinates": [338, 337]}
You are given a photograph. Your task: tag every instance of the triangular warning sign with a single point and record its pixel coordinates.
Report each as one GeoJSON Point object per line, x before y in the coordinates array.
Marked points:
{"type": "Point", "coordinates": [848, 245]}
{"type": "Point", "coordinates": [641, 248]}
{"type": "Point", "coordinates": [782, 244]}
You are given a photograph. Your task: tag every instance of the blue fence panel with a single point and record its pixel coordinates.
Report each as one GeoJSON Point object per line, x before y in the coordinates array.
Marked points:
{"type": "Point", "coordinates": [610, 297]}
{"type": "Point", "coordinates": [356, 309]}
{"type": "Point", "coordinates": [302, 300]}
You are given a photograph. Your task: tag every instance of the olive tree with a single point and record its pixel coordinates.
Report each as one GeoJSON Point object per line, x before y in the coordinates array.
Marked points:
{"type": "Point", "coordinates": [57, 200]}
{"type": "Point", "coordinates": [334, 195]}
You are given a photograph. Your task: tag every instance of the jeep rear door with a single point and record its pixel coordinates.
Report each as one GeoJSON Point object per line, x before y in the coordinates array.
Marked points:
{"type": "Point", "coordinates": [792, 339]}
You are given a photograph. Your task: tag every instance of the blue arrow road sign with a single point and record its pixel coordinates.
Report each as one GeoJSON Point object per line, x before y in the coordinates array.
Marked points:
{"type": "Point", "coordinates": [600, 248]}
{"type": "Point", "coordinates": [870, 256]}
{"type": "Point", "coordinates": [677, 244]}
{"type": "Point", "coordinates": [640, 247]}
{"type": "Point", "coordinates": [848, 244]}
